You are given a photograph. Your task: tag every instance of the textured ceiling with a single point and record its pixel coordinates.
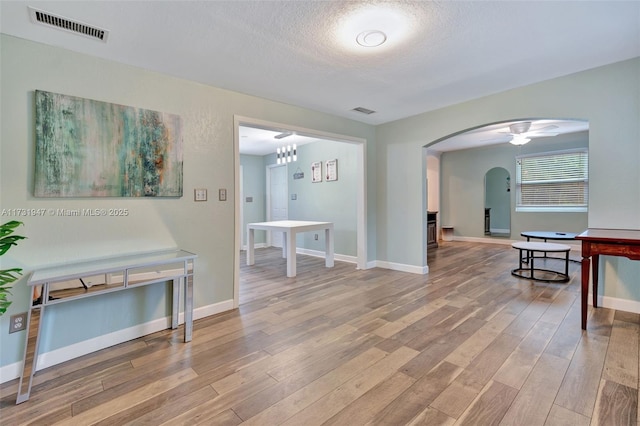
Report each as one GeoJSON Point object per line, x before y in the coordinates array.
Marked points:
{"type": "Point", "coordinates": [296, 51]}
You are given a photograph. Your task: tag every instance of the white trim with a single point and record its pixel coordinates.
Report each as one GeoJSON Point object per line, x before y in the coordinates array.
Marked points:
{"type": "Point", "coordinates": [318, 253]}
{"type": "Point", "coordinates": [57, 356]}
{"type": "Point", "coordinates": [505, 241]}
{"type": "Point", "coordinates": [625, 305]}
{"type": "Point", "coordinates": [500, 231]}
{"type": "Point", "coordinates": [257, 245]}
{"type": "Point", "coordinates": [421, 270]}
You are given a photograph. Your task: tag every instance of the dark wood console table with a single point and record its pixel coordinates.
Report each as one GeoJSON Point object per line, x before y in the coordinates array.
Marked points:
{"type": "Point", "coordinates": [608, 242]}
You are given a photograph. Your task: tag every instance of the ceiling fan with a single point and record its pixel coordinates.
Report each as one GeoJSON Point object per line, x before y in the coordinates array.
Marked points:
{"type": "Point", "coordinates": [521, 132]}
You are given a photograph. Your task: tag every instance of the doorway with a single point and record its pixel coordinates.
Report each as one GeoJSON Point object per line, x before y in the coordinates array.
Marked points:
{"type": "Point", "coordinates": [360, 195]}
{"type": "Point", "coordinates": [457, 165]}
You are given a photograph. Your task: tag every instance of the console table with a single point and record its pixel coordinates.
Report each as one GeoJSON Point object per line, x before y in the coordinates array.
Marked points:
{"type": "Point", "coordinates": [290, 228]}
{"type": "Point", "coordinates": [608, 242]}
{"type": "Point", "coordinates": [65, 283]}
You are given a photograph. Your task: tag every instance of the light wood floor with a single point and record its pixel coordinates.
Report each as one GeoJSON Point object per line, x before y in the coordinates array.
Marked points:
{"type": "Point", "coordinates": [467, 344]}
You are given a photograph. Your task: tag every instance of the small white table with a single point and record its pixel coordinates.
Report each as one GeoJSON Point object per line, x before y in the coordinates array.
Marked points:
{"type": "Point", "coordinates": [290, 228]}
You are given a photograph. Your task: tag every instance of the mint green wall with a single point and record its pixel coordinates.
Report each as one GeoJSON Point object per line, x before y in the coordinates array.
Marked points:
{"type": "Point", "coordinates": [333, 201]}
{"type": "Point", "coordinates": [608, 97]}
{"type": "Point", "coordinates": [462, 187]}
{"type": "Point", "coordinates": [206, 228]}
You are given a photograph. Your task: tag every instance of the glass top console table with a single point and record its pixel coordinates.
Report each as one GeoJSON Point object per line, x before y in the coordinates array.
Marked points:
{"type": "Point", "coordinates": [74, 281]}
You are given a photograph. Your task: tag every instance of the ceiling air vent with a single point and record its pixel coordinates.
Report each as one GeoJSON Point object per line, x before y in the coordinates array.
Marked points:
{"type": "Point", "coordinates": [62, 23]}
{"type": "Point", "coordinates": [364, 110]}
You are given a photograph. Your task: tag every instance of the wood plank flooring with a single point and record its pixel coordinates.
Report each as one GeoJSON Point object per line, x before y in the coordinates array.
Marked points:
{"type": "Point", "coordinates": [467, 344]}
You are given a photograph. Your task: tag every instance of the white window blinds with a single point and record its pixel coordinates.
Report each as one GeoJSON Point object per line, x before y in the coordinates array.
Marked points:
{"type": "Point", "coordinates": [553, 181]}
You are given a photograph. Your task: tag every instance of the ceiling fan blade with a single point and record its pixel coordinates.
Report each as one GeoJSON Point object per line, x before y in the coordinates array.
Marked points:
{"type": "Point", "coordinates": [545, 128]}
{"type": "Point", "coordinates": [541, 134]}
{"type": "Point", "coordinates": [499, 139]}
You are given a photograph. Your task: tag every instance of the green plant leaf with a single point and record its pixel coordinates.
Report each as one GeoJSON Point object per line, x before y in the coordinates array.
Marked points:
{"type": "Point", "coordinates": [3, 307]}
{"type": "Point", "coordinates": [8, 241]}
{"type": "Point", "coordinates": [9, 227]}
{"type": "Point", "coordinates": [8, 276]}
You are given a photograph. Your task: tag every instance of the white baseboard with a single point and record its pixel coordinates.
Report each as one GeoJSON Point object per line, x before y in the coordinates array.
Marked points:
{"type": "Point", "coordinates": [317, 253]}
{"type": "Point", "coordinates": [57, 356]}
{"type": "Point", "coordinates": [617, 304]}
{"type": "Point", "coordinates": [500, 231]}
{"type": "Point", "coordinates": [505, 241]}
{"type": "Point", "coordinates": [421, 270]}
{"type": "Point", "coordinates": [256, 246]}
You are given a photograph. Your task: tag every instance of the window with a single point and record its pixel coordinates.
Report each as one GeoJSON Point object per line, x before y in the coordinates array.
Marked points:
{"type": "Point", "coordinates": [553, 181]}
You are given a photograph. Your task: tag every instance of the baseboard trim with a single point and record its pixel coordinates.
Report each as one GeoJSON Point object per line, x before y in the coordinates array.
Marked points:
{"type": "Point", "coordinates": [500, 231]}
{"type": "Point", "coordinates": [504, 241]}
{"type": "Point", "coordinates": [57, 356]}
{"type": "Point", "coordinates": [318, 253]}
{"type": "Point", "coordinates": [625, 305]}
{"type": "Point", "coordinates": [421, 270]}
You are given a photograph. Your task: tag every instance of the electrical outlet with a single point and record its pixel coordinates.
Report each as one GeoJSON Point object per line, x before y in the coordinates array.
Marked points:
{"type": "Point", "coordinates": [17, 322]}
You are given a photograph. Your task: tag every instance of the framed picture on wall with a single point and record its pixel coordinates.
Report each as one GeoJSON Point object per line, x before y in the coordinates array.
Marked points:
{"type": "Point", "coordinates": [331, 170]}
{"type": "Point", "coordinates": [89, 148]}
{"type": "Point", "coordinates": [316, 171]}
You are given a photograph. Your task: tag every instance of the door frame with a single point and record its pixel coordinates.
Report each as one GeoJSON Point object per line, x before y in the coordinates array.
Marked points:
{"type": "Point", "coordinates": [361, 202]}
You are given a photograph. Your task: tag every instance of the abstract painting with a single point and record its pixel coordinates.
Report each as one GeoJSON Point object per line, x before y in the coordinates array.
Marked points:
{"type": "Point", "coordinates": [87, 148]}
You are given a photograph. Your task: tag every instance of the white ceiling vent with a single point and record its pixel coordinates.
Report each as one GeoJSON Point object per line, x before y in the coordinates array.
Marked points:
{"type": "Point", "coordinates": [66, 24]}
{"type": "Point", "coordinates": [364, 110]}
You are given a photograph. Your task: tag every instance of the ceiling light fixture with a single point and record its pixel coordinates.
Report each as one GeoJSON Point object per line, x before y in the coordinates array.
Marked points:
{"type": "Point", "coordinates": [519, 140]}
{"type": "Point", "coordinates": [384, 26]}
{"type": "Point", "coordinates": [371, 38]}
{"type": "Point", "coordinates": [286, 154]}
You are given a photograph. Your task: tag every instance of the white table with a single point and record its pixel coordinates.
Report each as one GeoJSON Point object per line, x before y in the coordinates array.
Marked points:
{"type": "Point", "coordinates": [59, 284]}
{"type": "Point", "coordinates": [290, 228]}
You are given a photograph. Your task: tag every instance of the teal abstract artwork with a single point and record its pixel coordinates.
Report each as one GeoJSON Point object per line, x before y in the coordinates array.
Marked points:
{"type": "Point", "coordinates": [88, 148]}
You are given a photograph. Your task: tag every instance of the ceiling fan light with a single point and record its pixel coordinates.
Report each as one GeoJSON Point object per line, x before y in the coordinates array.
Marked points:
{"type": "Point", "coordinates": [521, 127]}
{"type": "Point", "coordinates": [519, 140]}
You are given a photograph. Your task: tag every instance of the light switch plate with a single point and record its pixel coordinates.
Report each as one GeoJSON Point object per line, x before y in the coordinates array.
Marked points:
{"type": "Point", "coordinates": [222, 194]}
{"type": "Point", "coordinates": [200, 194]}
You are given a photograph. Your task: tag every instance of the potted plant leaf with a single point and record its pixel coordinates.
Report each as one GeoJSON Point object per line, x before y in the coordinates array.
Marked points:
{"type": "Point", "coordinates": [8, 276]}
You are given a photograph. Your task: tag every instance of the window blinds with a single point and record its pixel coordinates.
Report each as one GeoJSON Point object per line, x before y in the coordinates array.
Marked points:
{"type": "Point", "coordinates": [553, 180]}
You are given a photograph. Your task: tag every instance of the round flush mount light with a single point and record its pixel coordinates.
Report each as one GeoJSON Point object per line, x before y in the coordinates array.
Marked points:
{"type": "Point", "coordinates": [378, 26]}
{"type": "Point", "coordinates": [371, 38]}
